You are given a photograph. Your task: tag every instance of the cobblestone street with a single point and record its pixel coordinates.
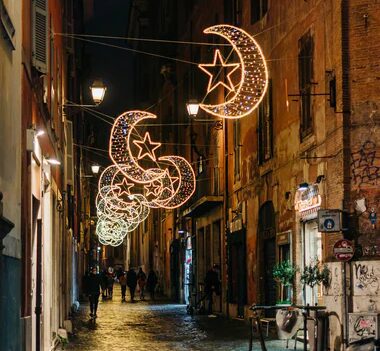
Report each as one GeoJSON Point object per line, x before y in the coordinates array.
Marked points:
{"type": "Point", "coordinates": [158, 326]}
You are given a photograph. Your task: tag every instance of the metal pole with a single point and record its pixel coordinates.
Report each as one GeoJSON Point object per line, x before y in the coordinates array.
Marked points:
{"type": "Point", "coordinates": [345, 338]}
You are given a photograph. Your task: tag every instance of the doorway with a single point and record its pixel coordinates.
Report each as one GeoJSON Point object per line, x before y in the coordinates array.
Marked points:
{"type": "Point", "coordinates": [267, 253]}
{"type": "Point", "coordinates": [312, 252]}
{"type": "Point", "coordinates": [237, 270]}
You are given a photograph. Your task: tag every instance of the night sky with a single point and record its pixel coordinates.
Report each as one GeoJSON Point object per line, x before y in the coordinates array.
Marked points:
{"type": "Point", "coordinates": [112, 65]}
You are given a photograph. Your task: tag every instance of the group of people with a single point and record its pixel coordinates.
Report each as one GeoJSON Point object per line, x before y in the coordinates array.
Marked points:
{"type": "Point", "coordinates": [94, 283]}
{"type": "Point", "coordinates": [133, 279]}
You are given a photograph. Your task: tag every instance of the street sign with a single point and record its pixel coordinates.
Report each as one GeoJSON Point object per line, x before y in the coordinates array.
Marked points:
{"type": "Point", "coordinates": [343, 250]}
{"type": "Point", "coordinates": [329, 221]}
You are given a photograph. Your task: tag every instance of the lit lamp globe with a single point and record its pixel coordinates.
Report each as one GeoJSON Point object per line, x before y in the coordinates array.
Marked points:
{"type": "Point", "coordinates": [98, 90]}
{"type": "Point", "coordinates": [95, 169]}
{"type": "Point", "coordinates": [192, 108]}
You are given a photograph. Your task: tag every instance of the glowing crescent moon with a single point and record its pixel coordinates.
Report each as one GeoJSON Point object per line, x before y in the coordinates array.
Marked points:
{"type": "Point", "coordinates": [254, 74]}
{"type": "Point", "coordinates": [186, 183]}
{"type": "Point", "coordinates": [120, 151]}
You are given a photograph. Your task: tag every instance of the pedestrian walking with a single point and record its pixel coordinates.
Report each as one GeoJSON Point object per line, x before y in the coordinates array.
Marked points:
{"type": "Point", "coordinates": [131, 283]}
{"type": "Point", "coordinates": [123, 285]}
{"type": "Point", "coordinates": [103, 281]}
{"type": "Point", "coordinates": [151, 283]}
{"type": "Point", "coordinates": [93, 291]}
{"type": "Point", "coordinates": [212, 285]}
{"type": "Point", "coordinates": [141, 280]}
{"type": "Point", "coordinates": [110, 282]}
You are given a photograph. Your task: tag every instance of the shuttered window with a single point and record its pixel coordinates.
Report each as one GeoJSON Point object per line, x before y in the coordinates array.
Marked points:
{"type": "Point", "coordinates": [305, 71]}
{"type": "Point", "coordinates": [265, 137]}
{"type": "Point", "coordinates": [40, 34]}
{"type": "Point", "coordinates": [69, 154]}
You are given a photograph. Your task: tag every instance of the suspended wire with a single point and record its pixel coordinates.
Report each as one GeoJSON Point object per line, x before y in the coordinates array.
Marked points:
{"type": "Point", "coordinates": [74, 36]}
{"type": "Point", "coordinates": [164, 40]}
{"type": "Point", "coordinates": [140, 39]}
{"type": "Point", "coordinates": [134, 50]}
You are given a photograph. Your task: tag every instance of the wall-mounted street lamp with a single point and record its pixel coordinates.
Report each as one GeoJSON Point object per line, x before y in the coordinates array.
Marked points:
{"type": "Point", "coordinates": [98, 90]}
{"type": "Point", "coordinates": [53, 161]}
{"type": "Point", "coordinates": [192, 108]}
{"type": "Point", "coordinates": [95, 169]}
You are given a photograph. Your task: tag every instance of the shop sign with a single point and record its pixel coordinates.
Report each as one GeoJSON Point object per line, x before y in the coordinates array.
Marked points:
{"type": "Point", "coordinates": [329, 221]}
{"type": "Point", "coordinates": [343, 250]}
{"type": "Point", "coordinates": [283, 238]}
{"type": "Point", "coordinates": [308, 199]}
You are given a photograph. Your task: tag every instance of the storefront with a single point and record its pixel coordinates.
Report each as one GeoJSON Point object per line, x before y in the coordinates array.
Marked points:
{"type": "Point", "coordinates": [307, 204]}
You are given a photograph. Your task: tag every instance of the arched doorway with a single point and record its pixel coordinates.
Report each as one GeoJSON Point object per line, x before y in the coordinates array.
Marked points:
{"type": "Point", "coordinates": [267, 253]}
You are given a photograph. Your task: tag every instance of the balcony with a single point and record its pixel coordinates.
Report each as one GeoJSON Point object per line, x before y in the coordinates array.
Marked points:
{"type": "Point", "coordinates": [207, 195]}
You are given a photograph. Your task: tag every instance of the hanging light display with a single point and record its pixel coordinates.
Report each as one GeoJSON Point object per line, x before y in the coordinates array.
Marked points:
{"type": "Point", "coordinates": [246, 95]}
{"type": "Point", "coordinates": [128, 188]}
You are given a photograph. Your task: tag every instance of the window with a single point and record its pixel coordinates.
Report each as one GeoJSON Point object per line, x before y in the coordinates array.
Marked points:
{"type": "Point", "coordinates": [305, 73]}
{"type": "Point", "coordinates": [237, 152]}
{"type": "Point", "coordinates": [40, 35]}
{"type": "Point", "coordinates": [258, 10]}
{"type": "Point", "coordinates": [265, 137]}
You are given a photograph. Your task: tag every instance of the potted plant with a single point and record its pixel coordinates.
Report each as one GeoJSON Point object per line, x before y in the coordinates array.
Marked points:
{"type": "Point", "coordinates": [312, 274]}
{"type": "Point", "coordinates": [284, 273]}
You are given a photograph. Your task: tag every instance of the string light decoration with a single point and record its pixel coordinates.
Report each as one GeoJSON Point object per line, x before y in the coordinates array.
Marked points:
{"type": "Point", "coordinates": [253, 80]}
{"type": "Point", "coordinates": [127, 190]}
{"type": "Point", "coordinates": [119, 212]}
{"type": "Point", "coordinates": [170, 183]}
{"type": "Point", "coordinates": [210, 67]}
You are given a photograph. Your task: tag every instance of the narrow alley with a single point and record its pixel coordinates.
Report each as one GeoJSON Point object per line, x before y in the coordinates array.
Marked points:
{"type": "Point", "coordinates": [145, 325]}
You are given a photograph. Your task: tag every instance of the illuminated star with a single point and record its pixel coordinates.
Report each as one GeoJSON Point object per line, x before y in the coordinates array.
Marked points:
{"type": "Point", "coordinates": [124, 188]}
{"type": "Point", "coordinates": [151, 189]}
{"type": "Point", "coordinates": [146, 147]}
{"type": "Point", "coordinates": [213, 70]}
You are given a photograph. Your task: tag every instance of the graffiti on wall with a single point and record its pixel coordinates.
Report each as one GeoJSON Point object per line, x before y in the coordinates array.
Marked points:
{"type": "Point", "coordinates": [366, 276]}
{"type": "Point", "coordinates": [334, 287]}
{"type": "Point", "coordinates": [361, 325]}
{"type": "Point", "coordinates": [365, 164]}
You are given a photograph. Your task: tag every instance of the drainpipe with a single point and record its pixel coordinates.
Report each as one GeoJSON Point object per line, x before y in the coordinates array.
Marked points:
{"type": "Point", "coordinates": [346, 106]}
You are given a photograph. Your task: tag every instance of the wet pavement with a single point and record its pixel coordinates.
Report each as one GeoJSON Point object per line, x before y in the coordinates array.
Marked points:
{"type": "Point", "coordinates": [147, 325]}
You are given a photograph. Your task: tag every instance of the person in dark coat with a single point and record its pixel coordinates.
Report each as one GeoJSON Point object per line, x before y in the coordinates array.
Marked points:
{"type": "Point", "coordinates": [141, 281]}
{"type": "Point", "coordinates": [103, 280]}
{"type": "Point", "coordinates": [132, 282]}
{"type": "Point", "coordinates": [212, 285]}
{"type": "Point", "coordinates": [93, 291]}
{"type": "Point", "coordinates": [123, 285]}
{"type": "Point", "coordinates": [110, 282]}
{"type": "Point", "coordinates": [151, 283]}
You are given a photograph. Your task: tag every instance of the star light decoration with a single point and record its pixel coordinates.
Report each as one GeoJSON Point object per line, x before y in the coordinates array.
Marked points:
{"type": "Point", "coordinates": [127, 190]}
{"type": "Point", "coordinates": [252, 85]}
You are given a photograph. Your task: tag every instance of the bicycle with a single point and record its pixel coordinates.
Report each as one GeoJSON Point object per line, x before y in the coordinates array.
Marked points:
{"type": "Point", "coordinates": [197, 302]}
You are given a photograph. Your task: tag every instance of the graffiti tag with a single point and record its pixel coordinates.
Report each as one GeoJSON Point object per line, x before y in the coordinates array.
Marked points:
{"type": "Point", "coordinates": [364, 164]}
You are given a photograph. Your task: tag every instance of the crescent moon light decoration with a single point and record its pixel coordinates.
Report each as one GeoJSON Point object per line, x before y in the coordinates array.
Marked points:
{"type": "Point", "coordinates": [127, 190]}
{"type": "Point", "coordinates": [253, 80]}
{"type": "Point", "coordinates": [170, 183]}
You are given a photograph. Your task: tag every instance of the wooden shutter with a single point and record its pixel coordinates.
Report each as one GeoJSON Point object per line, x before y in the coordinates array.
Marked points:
{"type": "Point", "coordinates": [40, 34]}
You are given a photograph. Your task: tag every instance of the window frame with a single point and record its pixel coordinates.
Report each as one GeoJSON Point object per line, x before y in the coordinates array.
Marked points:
{"type": "Point", "coordinates": [305, 83]}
